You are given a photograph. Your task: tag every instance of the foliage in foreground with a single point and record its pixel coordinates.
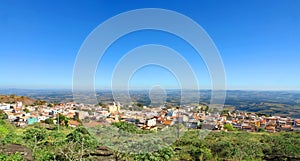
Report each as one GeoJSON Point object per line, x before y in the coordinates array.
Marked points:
{"type": "Point", "coordinates": [13, 157]}
{"type": "Point", "coordinates": [76, 144]}
{"type": "Point", "coordinates": [238, 146]}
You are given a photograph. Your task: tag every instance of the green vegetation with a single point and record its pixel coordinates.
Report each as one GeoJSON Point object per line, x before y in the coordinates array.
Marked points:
{"type": "Point", "coordinates": [39, 102]}
{"type": "Point", "coordinates": [63, 120]}
{"type": "Point", "coordinates": [13, 157]}
{"type": "Point", "coordinates": [101, 104]}
{"type": "Point", "coordinates": [238, 146]}
{"type": "Point", "coordinates": [229, 127]}
{"type": "Point", "coordinates": [79, 144]}
{"type": "Point", "coordinates": [2, 115]}
{"type": "Point", "coordinates": [130, 128]}
{"type": "Point", "coordinates": [26, 110]}
{"type": "Point", "coordinates": [161, 154]}
{"type": "Point", "coordinates": [66, 144]}
{"type": "Point", "coordinates": [49, 121]}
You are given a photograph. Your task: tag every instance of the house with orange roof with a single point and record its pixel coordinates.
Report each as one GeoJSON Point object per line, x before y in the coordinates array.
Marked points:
{"type": "Point", "coordinates": [73, 123]}
{"type": "Point", "coordinates": [286, 128]}
{"type": "Point", "coordinates": [297, 122]}
{"type": "Point", "coordinates": [270, 128]}
{"type": "Point", "coordinates": [263, 123]}
{"type": "Point", "coordinates": [168, 122]}
{"type": "Point", "coordinates": [70, 115]}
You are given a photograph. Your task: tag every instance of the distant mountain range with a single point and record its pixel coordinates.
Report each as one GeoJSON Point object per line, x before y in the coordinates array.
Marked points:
{"type": "Point", "coordinates": [267, 102]}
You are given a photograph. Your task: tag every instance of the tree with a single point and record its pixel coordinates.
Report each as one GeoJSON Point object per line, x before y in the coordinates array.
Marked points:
{"type": "Point", "coordinates": [26, 110]}
{"type": "Point", "coordinates": [49, 121]}
{"type": "Point", "coordinates": [77, 144]}
{"type": "Point", "coordinates": [3, 132]}
{"type": "Point", "coordinates": [5, 128]}
{"type": "Point", "coordinates": [2, 115]}
{"type": "Point", "coordinates": [91, 112]}
{"type": "Point", "coordinates": [34, 134]}
{"type": "Point", "coordinates": [130, 128]}
{"type": "Point", "coordinates": [229, 127]}
{"type": "Point", "coordinates": [139, 104]}
{"type": "Point", "coordinates": [261, 130]}
{"type": "Point", "coordinates": [101, 104]}
{"type": "Point", "coordinates": [13, 138]}
{"type": "Point", "coordinates": [225, 112]}
{"type": "Point", "coordinates": [62, 119]}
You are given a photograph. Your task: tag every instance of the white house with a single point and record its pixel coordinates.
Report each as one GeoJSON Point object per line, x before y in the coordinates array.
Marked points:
{"type": "Point", "coordinates": [19, 104]}
{"type": "Point", "coordinates": [4, 106]}
{"type": "Point", "coordinates": [42, 118]}
{"type": "Point", "coordinates": [151, 122]}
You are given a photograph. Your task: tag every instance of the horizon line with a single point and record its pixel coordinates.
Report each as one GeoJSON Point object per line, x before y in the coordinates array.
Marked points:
{"type": "Point", "coordinates": [143, 89]}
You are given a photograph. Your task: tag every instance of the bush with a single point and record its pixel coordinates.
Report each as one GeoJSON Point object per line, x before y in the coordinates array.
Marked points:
{"type": "Point", "coordinates": [43, 154]}
{"type": "Point", "coordinates": [33, 136]}
{"type": "Point", "coordinates": [130, 128]}
{"type": "Point", "coordinates": [229, 127]}
{"type": "Point", "coordinates": [13, 138]}
{"type": "Point", "coordinates": [12, 157]}
{"type": "Point", "coordinates": [3, 132]}
{"type": "Point", "coordinates": [3, 116]}
{"type": "Point", "coordinates": [261, 130]}
{"type": "Point", "coordinates": [49, 121]}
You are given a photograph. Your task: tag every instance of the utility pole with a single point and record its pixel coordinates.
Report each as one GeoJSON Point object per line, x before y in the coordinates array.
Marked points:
{"type": "Point", "coordinates": [58, 122]}
{"type": "Point", "coordinates": [177, 121]}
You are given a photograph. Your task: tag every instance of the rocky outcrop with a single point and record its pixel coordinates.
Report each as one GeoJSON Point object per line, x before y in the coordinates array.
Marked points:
{"type": "Point", "coordinates": [102, 153]}
{"type": "Point", "coordinates": [14, 148]}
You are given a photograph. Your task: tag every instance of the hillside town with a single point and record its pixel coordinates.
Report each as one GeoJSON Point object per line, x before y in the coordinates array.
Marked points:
{"type": "Point", "coordinates": [73, 115]}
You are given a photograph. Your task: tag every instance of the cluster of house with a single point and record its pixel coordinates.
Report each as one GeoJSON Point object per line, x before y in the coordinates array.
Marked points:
{"type": "Point", "coordinates": [21, 115]}
{"type": "Point", "coordinates": [157, 118]}
{"type": "Point", "coordinates": [252, 122]}
{"type": "Point", "coordinates": [148, 118]}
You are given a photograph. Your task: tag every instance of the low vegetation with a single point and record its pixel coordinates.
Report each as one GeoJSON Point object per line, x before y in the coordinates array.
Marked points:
{"type": "Point", "coordinates": [78, 144]}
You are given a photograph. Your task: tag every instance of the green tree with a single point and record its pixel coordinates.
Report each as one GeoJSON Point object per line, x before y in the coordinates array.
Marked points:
{"type": "Point", "coordinates": [229, 127]}
{"type": "Point", "coordinates": [139, 104]}
{"type": "Point", "coordinates": [225, 112]}
{"type": "Point", "coordinates": [13, 138]}
{"type": "Point", "coordinates": [124, 126]}
{"type": "Point", "coordinates": [33, 136]}
{"type": "Point", "coordinates": [2, 115]}
{"type": "Point", "coordinates": [77, 144]}
{"type": "Point", "coordinates": [12, 157]}
{"type": "Point", "coordinates": [62, 119]}
{"type": "Point", "coordinates": [26, 110]}
{"type": "Point", "coordinates": [3, 132]}
{"type": "Point", "coordinates": [49, 121]}
{"type": "Point", "coordinates": [101, 104]}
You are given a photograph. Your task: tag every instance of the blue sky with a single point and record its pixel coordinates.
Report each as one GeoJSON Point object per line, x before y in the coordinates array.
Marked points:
{"type": "Point", "coordinates": [257, 40]}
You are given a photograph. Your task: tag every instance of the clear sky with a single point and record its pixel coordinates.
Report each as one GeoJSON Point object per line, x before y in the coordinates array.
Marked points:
{"type": "Point", "coordinates": [259, 41]}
